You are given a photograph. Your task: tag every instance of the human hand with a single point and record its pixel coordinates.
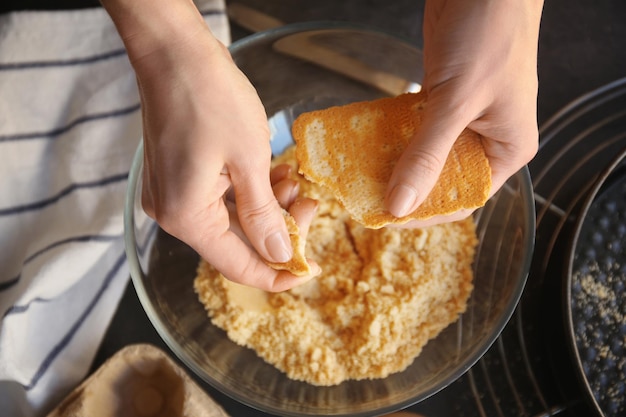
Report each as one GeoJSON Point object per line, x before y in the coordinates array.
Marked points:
{"type": "Point", "coordinates": [480, 62]}
{"type": "Point", "coordinates": [301, 209]}
{"type": "Point", "coordinates": [205, 133]}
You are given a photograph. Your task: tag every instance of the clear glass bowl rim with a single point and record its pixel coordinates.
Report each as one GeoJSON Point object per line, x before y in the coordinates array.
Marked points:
{"type": "Point", "coordinates": [136, 271]}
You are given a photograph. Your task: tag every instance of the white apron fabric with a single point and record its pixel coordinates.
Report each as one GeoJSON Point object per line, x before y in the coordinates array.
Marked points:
{"type": "Point", "coordinates": [69, 126]}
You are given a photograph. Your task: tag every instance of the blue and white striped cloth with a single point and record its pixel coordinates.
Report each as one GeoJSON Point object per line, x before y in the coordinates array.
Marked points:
{"type": "Point", "coordinates": [69, 125]}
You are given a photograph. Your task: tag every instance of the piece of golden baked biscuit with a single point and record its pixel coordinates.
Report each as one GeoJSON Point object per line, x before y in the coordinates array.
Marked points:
{"type": "Point", "coordinates": [351, 150]}
{"type": "Point", "coordinates": [298, 264]}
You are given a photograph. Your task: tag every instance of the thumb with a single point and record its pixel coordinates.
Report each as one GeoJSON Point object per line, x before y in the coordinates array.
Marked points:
{"type": "Point", "coordinates": [261, 216]}
{"type": "Point", "coordinates": [421, 163]}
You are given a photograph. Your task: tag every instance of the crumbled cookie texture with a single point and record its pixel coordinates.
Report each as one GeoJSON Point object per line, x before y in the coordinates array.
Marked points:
{"type": "Point", "coordinates": [382, 295]}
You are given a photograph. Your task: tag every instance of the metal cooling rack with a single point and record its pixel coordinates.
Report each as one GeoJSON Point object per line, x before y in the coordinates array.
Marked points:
{"type": "Point", "coordinates": [527, 372]}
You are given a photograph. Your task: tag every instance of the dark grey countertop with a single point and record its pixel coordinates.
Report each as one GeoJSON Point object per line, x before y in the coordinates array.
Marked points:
{"type": "Point", "coordinates": [582, 47]}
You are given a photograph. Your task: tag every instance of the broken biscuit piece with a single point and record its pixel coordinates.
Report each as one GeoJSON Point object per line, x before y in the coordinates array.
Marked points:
{"type": "Point", "coordinates": [297, 265]}
{"type": "Point", "coordinates": [351, 150]}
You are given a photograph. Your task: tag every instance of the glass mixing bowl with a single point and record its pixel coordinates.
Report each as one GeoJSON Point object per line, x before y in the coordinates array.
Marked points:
{"type": "Point", "coordinates": [298, 68]}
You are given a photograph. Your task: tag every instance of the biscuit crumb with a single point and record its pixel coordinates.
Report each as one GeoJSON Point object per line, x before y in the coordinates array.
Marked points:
{"type": "Point", "coordinates": [382, 295]}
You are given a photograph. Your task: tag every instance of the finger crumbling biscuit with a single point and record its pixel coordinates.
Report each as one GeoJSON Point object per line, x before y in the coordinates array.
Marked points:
{"type": "Point", "coordinates": [298, 264]}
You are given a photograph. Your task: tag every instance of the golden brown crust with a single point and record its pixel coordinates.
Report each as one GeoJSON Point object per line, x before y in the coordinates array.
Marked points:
{"type": "Point", "coordinates": [351, 150]}
{"type": "Point", "coordinates": [297, 265]}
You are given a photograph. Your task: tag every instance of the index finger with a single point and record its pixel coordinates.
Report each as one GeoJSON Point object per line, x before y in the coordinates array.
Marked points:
{"type": "Point", "coordinates": [421, 163]}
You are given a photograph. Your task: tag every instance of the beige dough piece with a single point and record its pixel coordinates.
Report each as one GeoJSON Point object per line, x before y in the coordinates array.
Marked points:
{"type": "Point", "coordinates": [138, 381]}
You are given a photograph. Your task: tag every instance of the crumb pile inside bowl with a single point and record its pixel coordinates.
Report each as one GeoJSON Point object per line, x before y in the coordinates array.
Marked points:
{"type": "Point", "coordinates": [163, 269]}
{"type": "Point", "coordinates": [381, 296]}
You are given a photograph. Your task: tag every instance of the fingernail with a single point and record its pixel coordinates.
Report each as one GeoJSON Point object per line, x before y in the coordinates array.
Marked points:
{"type": "Point", "coordinates": [278, 247]}
{"type": "Point", "coordinates": [401, 200]}
{"type": "Point", "coordinates": [295, 191]}
{"type": "Point", "coordinates": [315, 270]}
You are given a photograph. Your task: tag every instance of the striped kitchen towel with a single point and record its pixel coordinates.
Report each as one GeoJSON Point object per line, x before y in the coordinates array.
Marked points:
{"type": "Point", "coordinates": [69, 126]}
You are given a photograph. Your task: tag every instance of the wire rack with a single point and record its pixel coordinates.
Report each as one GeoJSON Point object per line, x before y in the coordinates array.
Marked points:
{"type": "Point", "coordinates": [528, 372]}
